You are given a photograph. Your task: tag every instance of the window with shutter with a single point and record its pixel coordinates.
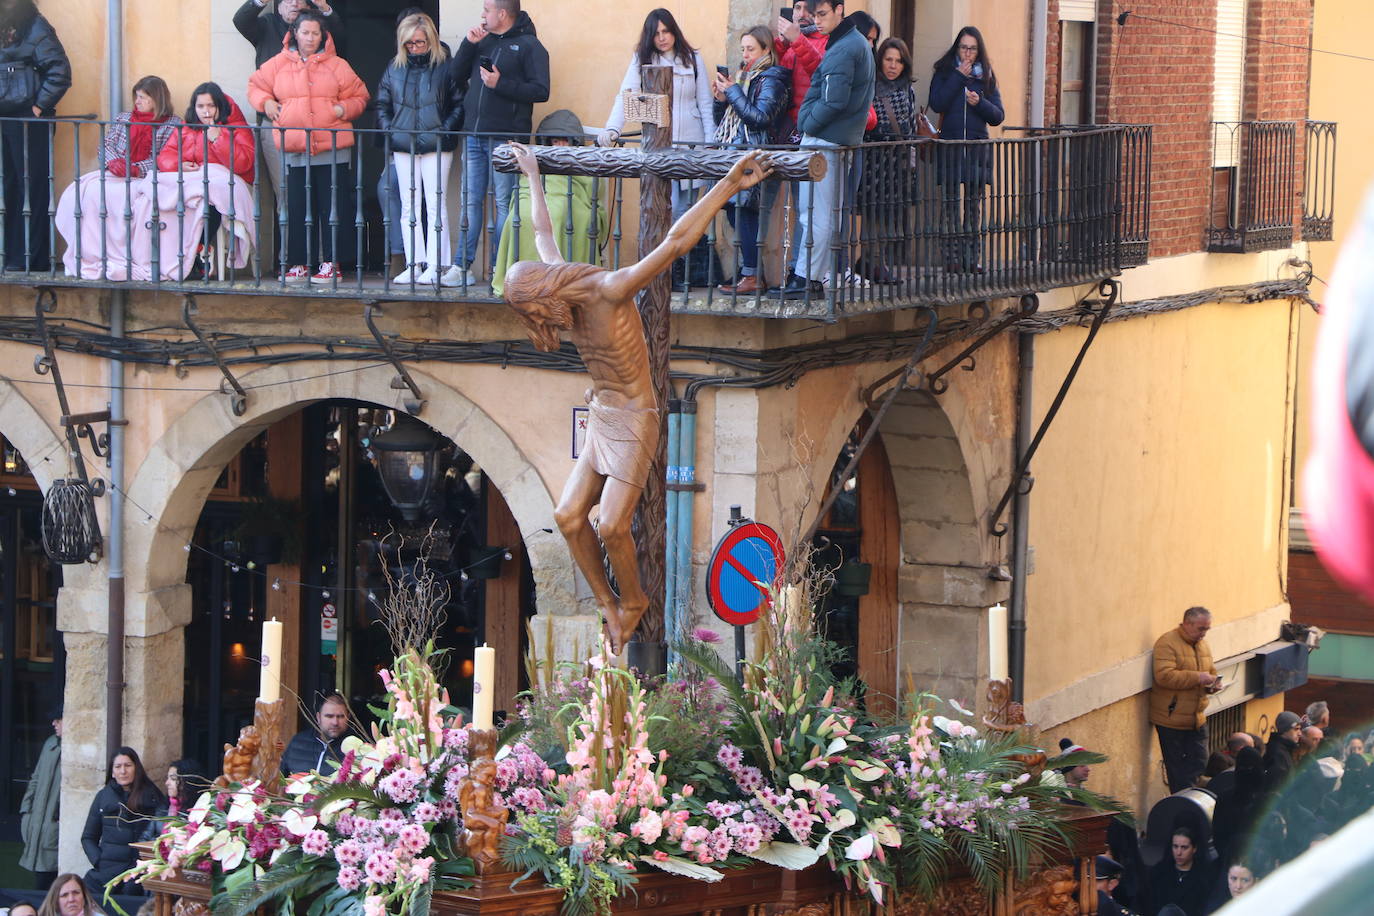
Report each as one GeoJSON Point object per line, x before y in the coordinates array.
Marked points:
{"type": "Point", "coordinates": [1077, 10]}
{"type": "Point", "coordinates": [1228, 80]}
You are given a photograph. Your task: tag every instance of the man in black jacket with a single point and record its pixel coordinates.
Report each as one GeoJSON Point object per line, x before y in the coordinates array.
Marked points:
{"type": "Point", "coordinates": [319, 748]}
{"type": "Point", "coordinates": [34, 75]}
{"type": "Point", "coordinates": [265, 31]}
{"type": "Point", "coordinates": [504, 71]}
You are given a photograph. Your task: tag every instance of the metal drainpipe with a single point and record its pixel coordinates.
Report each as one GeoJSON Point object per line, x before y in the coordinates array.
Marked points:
{"type": "Point", "coordinates": [114, 647]}
{"type": "Point", "coordinates": [686, 475]}
{"type": "Point", "coordinates": [1039, 44]}
{"type": "Point", "coordinates": [670, 525]}
{"type": "Point", "coordinates": [1020, 532]}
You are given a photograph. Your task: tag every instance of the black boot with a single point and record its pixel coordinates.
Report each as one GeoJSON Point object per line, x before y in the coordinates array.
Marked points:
{"type": "Point", "coordinates": [798, 287]}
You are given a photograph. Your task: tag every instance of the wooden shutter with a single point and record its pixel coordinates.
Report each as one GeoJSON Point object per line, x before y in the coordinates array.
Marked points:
{"type": "Point", "coordinates": [1077, 10]}
{"type": "Point", "coordinates": [1228, 78]}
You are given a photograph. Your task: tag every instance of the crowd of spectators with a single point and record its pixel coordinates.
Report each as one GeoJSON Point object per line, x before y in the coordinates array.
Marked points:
{"type": "Point", "coordinates": [176, 197]}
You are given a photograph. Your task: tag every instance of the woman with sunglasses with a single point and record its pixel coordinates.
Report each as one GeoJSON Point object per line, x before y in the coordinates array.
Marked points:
{"type": "Point", "coordinates": [964, 92]}
{"type": "Point", "coordinates": [420, 106]}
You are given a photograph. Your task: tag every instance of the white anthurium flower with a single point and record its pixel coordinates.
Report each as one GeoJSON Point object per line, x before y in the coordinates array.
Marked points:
{"type": "Point", "coordinates": [836, 746]}
{"type": "Point", "coordinates": [958, 707]}
{"type": "Point", "coordinates": [228, 850]}
{"type": "Point", "coordinates": [331, 811]}
{"type": "Point", "coordinates": [298, 822]}
{"type": "Point", "coordinates": [352, 743]}
{"type": "Point", "coordinates": [862, 848]}
{"type": "Point", "coordinates": [941, 723]}
{"type": "Point", "coordinates": [200, 809]}
{"type": "Point", "coordinates": [885, 832]}
{"type": "Point", "coordinates": [843, 819]}
{"type": "Point", "coordinates": [300, 785]}
{"type": "Point", "coordinates": [199, 837]}
{"type": "Point", "coordinates": [868, 772]}
{"type": "Point", "coordinates": [242, 809]}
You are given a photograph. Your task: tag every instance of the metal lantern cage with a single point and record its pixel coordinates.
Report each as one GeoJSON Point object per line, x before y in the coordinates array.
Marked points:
{"type": "Point", "coordinates": [71, 532]}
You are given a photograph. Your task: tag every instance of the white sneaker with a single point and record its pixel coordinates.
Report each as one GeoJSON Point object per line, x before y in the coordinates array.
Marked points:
{"type": "Point", "coordinates": [403, 278]}
{"type": "Point", "coordinates": [848, 278]}
{"type": "Point", "coordinates": [455, 276]}
{"type": "Point", "coordinates": [426, 278]}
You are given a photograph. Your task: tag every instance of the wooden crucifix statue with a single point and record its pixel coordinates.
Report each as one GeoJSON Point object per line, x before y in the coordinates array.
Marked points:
{"type": "Point", "coordinates": [597, 307]}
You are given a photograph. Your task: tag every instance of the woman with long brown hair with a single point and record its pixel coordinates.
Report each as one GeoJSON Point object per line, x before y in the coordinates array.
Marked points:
{"type": "Point", "coordinates": [121, 814]}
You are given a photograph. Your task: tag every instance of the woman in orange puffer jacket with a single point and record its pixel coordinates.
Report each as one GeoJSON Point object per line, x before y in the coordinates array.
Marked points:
{"type": "Point", "coordinates": [312, 96]}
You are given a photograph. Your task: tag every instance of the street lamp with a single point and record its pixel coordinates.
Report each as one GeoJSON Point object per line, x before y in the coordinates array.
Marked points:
{"type": "Point", "coordinates": [407, 459]}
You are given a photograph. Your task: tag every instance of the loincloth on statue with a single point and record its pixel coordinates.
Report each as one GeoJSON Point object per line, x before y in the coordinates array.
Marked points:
{"type": "Point", "coordinates": [621, 441]}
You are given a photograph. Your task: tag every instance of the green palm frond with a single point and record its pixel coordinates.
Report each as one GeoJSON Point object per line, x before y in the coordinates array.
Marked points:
{"type": "Point", "coordinates": [354, 790]}
{"type": "Point", "coordinates": [279, 882]}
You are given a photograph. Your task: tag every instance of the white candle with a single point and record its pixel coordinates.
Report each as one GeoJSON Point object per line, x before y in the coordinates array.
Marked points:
{"type": "Point", "coordinates": [269, 687]}
{"type": "Point", "coordinates": [997, 643]}
{"type": "Point", "coordinates": [483, 686]}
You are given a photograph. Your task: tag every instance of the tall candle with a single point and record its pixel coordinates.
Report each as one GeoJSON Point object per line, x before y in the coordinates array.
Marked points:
{"type": "Point", "coordinates": [483, 686]}
{"type": "Point", "coordinates": [997, 643]}
{"type": "Point", "coordinates": [269, 687]}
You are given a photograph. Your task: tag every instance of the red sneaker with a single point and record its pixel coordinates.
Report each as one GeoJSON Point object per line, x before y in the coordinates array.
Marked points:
{"type": "Point", "coordinates": [298, 274]}
{"type": "Point", "coordinates": [328, 273]}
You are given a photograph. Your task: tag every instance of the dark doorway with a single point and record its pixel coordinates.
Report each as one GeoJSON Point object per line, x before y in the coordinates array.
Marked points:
{"type": "Point", "coordinates": [32, 654]}
{"type": "Point", "coordinates": [370, 37]}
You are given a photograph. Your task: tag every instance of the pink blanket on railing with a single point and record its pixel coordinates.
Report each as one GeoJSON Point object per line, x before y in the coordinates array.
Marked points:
{"type": "Point", "coordinates": [128, 244]}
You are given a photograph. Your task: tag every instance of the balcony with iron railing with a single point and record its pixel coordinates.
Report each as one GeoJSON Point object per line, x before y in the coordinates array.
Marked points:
{"type": "Point", "coordinates": [1053, 209]}
{"type": "Point", "coordinates": [1267, 187]}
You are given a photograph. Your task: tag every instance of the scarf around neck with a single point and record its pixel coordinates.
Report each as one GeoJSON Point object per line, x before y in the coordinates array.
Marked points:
{"type": "Point", "coordinates": [141, 134]}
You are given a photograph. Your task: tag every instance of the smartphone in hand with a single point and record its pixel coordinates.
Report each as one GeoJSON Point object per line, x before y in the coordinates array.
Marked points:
{"type": "Point", "coordinates": [786, 13]}
{"type": "Point", "coordinates": [723, 70]}
{"type": "Point", "coordinates": [486, 63]}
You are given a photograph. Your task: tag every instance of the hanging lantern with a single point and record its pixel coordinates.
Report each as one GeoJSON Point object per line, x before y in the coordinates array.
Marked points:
{"type": "Point", "coordinates": [71, 532]}
{"type": "Point", "coordinates": [407, 459]}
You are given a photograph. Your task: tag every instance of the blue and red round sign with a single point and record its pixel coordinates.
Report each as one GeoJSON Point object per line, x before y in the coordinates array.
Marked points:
{"type": "Point", "coordinates": [743, 569]}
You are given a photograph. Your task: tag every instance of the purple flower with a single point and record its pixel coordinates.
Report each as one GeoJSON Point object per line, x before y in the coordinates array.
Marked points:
{"type": "Point", "coordinates": [426, 812]}
{"type": "Point", "coordinates": [413, 838]}
{"type": "Point", "coordinates": [381, 867]}
{"type": "Point", "coordinates": [703, 634]}
{"type": "Point", "coordinates": [349, 853]}
{"type": "Point", "coordinates": [729, 756]}
{"type": "Point", "coordinates": [316, 843]}
{"type": "Point", "coordinates": [350, 879]}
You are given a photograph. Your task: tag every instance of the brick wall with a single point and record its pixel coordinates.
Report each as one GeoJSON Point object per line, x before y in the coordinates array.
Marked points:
{"type": "Point", "coordinates": [1160, 73]}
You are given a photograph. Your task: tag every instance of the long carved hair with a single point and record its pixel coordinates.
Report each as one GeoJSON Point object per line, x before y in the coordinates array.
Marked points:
{"type": "Point", "coordinates": [543, 295]}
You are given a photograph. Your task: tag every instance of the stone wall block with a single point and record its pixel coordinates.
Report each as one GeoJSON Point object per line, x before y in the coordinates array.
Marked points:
{"type": "Point", "coordinates": [942, 543]}
{"type": "Point", "coordinates": [940, 453]}
{"type": "Point", "coordinates": [934, 496]}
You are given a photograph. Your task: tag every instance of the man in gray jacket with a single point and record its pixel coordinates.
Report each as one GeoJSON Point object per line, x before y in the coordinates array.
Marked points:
{"type": "Point", "coordinates": [832, 115]}
{"type": "Point", "coordinates": [39, 809]}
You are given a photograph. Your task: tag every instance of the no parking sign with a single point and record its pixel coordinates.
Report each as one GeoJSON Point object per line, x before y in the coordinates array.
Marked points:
{"type": "Point", "coordinates": [744, 566]}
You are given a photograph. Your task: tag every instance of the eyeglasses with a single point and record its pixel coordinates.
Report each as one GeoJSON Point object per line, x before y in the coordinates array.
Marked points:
{"type": "Point", "coordinates": [417, 43]}
{"type": "Point", "coordinates": [968, 47]}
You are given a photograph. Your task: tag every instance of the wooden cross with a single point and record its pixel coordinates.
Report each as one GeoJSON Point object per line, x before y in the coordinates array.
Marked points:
{"type": "Point", "coordinates": [656, 164]}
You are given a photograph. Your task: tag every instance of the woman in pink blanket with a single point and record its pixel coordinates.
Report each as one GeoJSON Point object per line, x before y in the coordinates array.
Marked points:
{"type": "Point", "coordinates": [207, 165]}
{"type": "Point", "coordinates": [95, 212]}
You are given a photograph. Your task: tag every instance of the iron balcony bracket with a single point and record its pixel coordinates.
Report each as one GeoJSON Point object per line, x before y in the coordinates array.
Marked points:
{"type": "Point", "coordinates": [1021, 481]}
{"type": "Point", "coordinates": [1029, 305]}
{"type": "Point", "coordinates": [45, 363]}
{"type": "Point", "coordinates": [238, 401]}
{"type": "Point", "coordinates": [416, 403]}
{"type": "Point", "coordinates": [100, 443]}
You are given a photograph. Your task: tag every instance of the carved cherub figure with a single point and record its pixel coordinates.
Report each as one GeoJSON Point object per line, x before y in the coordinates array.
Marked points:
{"type": "Point", "coordinates": [238, 758]}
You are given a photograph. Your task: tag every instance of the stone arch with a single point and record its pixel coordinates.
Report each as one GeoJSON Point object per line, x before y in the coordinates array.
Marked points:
{"type": "Point", "coordinates": [23, 425]}
{"type": "Point", "coordinates": [945, 470]}
{"type": "Point", "coordinates": [175, 478]}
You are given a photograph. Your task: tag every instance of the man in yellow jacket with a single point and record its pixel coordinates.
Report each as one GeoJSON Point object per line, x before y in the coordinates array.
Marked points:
{"type": "Point", "coordinates": [1183, 677]}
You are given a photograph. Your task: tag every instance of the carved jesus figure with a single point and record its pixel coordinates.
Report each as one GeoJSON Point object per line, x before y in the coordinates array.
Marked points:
{"type": "Point", "coordinates": [597, 307]}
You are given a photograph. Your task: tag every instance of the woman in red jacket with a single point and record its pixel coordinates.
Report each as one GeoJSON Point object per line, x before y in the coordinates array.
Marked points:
{"type": "Point", "coordinates": [312, 96]}
{"type": "Point", "coordinates": [205, 173]}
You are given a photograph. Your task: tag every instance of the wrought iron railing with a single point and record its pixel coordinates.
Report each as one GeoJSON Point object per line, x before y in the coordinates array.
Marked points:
{"type": "Point", "coordinates": [1319, 181]}
{"type": "Point", "coordinates": [921, 222]}
{"type": "Point", "coordinates": [1253, 190]}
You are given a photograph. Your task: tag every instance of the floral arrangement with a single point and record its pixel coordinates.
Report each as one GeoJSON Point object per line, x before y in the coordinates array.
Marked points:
{"type": "Point", "coordinates": [378, 836]}
{"type": "Point", "coordinates": [609, 777]}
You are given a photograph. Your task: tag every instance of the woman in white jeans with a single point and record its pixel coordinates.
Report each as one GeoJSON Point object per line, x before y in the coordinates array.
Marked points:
{"type": "Point", "coordinates": [419, 105]}
{"type": "Point", "coordinates": [661, 43]}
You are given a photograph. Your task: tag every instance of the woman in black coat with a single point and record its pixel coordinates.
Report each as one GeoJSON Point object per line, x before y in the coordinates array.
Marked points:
{"type": "Point", "coordinates": [34, 75]}
{"type": "Point", "coordinates": [420, 105]}
{"type": "Point", "coordinates": [748, 112]}
{"type": "Point", "coordinates": [121, 814]}
{"type": "Point", "coordinates": [964, 92]}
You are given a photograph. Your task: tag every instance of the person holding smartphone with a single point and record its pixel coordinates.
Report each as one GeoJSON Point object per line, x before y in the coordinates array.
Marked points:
{"type": "Point", "coordinates": [964, 92]}
{"type": "Point", "coordinates": [1184, 677]}
{"type": "Point", "coordinates": [503, 71]}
